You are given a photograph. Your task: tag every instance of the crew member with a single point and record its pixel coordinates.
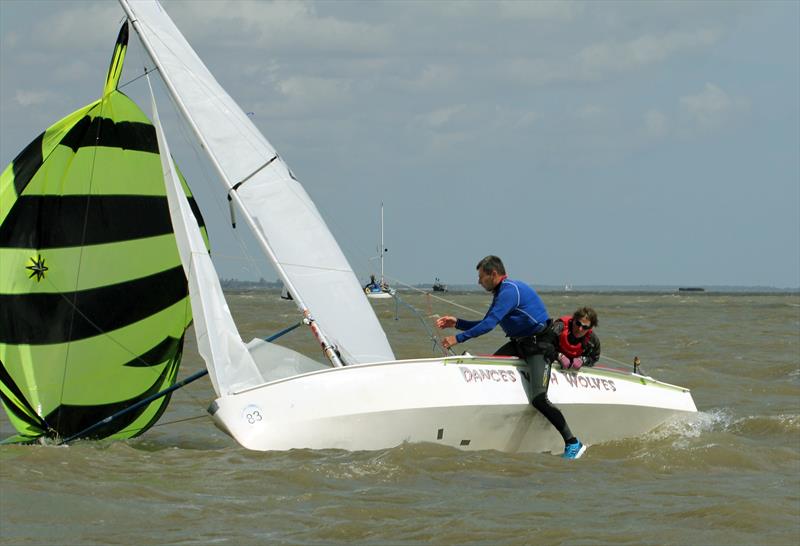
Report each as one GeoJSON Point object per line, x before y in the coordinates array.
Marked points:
{"type": "Point", "coordinates": [521, 313]}
{"type": "Point", "coordinates": [576, 343]}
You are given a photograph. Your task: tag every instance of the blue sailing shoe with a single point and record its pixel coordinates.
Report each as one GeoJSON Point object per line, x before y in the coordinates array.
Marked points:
{"type": "Point", "coordinates": [574, 451]}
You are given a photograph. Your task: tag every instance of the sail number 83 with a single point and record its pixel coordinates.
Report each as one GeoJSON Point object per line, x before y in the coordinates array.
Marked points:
{"type": "Point", "coordinates": [253, 415]}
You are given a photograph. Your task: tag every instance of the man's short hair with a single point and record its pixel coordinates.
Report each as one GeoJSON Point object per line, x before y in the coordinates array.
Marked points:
{"type": "Point", "coordinates": [491, 263]}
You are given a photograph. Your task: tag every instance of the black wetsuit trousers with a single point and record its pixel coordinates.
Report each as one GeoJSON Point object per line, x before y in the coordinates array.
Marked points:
{"type": "Point", "coordinates": [539, 370]}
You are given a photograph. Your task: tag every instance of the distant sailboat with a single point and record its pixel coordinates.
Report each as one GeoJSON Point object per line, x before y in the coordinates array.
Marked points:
{"type": "Point", "coordinates": [272, 398]}
{"type": "Point", "coordinates": [438, 286]}
{"type": "Point", "coordinates": [379, 289]}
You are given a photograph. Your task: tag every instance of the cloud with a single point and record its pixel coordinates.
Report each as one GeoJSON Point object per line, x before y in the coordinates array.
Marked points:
{"type": "Point", "coordinates": [711, 107]}
{"type": "Point", "coordinates": [75, 26]}
{"type": "Point", "coordinates": [32, 98]}
{"type": "Point", "coordinates": [441, 117]}
{"type": "Point", "coordinates": [591, 111]}
{"type": "Point", "coordinates": [526, 119]}
{"type": "Point", "coordinates": [10, 40]}
{"type": "Point", "coordinates": [76, 70]}
{"type": "Point", "coordinates": [276, 25]}
{"type": "Point", "coordinates": [603, 59]}
{"type": "Point", "coordinates": [539, 11]}
{"type": "Point", "coordinates": [705, 111]}
{"type": "Point", "coordinates": [312, 92]}
{"type": "Point", "coordinates": [656, 123]}
{"type": "Point", "coordinates": [434, 76]}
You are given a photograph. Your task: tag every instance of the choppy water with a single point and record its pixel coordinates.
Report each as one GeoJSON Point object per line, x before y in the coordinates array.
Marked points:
{"type": "Point", "coordinates": [729, 476]}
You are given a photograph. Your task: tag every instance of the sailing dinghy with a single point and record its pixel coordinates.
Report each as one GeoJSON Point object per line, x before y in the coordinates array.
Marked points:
{"type": "Point", "coordinates": [360, 398]}
{"type": "Point", "coordinates": [377, 290]}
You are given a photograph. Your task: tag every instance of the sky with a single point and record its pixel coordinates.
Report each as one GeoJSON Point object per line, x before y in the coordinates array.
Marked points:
{"type": "Point", "coordinates": [585, 143]}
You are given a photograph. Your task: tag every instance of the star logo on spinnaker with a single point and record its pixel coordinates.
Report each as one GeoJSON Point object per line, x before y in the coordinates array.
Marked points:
{"type": "Point", "coordinates": [37, 268]}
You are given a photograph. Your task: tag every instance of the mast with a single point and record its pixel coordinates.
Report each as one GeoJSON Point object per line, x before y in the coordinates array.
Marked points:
{"type": "Point", "coordinates": [382, 247]}
{"type": "Point", "coordinates": [330, 351]}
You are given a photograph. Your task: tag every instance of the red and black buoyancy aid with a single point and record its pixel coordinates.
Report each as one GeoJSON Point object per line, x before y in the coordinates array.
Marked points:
{"type": "Point", "coordinates": [572, 350]}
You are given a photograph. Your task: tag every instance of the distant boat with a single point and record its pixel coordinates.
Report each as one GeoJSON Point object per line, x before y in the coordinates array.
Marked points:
{"type": "Point", "coordinates": [691, 289]}
{"type": "Point", "coordinates": [285, 295]}
{"type": "Point", "coordinates": [567, 288]}
{"type": "Point", "coordinates": [379, 289]}
{"type": "Point", "coordinates": [438, 286]}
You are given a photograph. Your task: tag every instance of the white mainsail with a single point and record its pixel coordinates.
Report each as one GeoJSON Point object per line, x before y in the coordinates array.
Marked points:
{"type": "Point", "coordinates": [284, 219]}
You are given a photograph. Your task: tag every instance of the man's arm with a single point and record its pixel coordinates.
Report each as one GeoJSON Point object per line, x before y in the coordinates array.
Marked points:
{"type": "Point", "coordinates": [502, 304]}
{"type": "Point", "coordinates": [462, 324]}
{"type": "Point", "coordinates": [548, 340]}
{"type": "Point", "coordinates": [592, 352]}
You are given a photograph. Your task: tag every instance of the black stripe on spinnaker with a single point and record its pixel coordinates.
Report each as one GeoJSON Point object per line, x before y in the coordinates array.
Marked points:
{"type": "Point", "coordinates": [128, 135]}
{"type": "Point", "coordinates": [59, 318]}
{"type": "Point", "coordinates": [53, 221]}
{"type": "Point", "coordinates": [28, 416]}
{"type": "Point", "coordinates": [157, 355]}
{"type": "Point", "coordinates": [27, 163]}
{"type": "Point", "coordinates": [68, 420]}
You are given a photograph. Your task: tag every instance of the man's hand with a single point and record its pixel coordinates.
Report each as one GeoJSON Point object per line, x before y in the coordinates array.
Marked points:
{"type": "Point", "coordinates": [449, 341]}
{"type": "Point", "coordinates": [446, 322]}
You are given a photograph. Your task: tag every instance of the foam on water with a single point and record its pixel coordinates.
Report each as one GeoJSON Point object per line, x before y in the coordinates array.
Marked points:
{"type": "Point", "coordinates": [691, 425]}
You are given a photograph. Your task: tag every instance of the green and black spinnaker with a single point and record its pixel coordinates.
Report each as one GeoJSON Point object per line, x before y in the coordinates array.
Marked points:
{"type": "Point", "coordinates": [93, 297]}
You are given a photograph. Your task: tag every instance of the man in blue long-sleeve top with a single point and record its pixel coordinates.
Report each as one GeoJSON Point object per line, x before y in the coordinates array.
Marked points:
{"type": "Point", "coordinates": [521, 313]}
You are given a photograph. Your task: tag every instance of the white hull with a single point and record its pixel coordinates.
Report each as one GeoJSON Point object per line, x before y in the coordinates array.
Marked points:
{"type": "Point", "coordinates": [379, 295]}
{"type": "Point", "coordinates": [468, 402]}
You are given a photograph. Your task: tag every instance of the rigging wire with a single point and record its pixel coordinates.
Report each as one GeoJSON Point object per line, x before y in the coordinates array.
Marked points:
{"type": "Point", "coordinates": [436, 341]}
{"type": "Point", "coordinates": [450, 302]}
{"type": "Point", "coordinates": [253, 267]}
{"type": "Point", "coordinates": [428, 293]}
{"type": "Point", "coordinates": [205, 179]}
{"type": "Point", "coordinates": [247, 256]}
{"type": "Point", "coordinates": [176, 421]}
{"type": "Point", "coordinates": [73, 301]}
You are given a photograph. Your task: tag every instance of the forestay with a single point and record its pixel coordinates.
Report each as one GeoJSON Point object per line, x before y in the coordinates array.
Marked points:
{"type": "Point", "coordinates": [286, 222]}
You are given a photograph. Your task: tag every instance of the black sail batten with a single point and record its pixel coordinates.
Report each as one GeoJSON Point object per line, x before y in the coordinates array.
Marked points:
{"type": "Point", "coordinates": [46, 318]}
{"type": "Point", "coordinates": [61, 221]}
